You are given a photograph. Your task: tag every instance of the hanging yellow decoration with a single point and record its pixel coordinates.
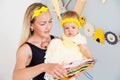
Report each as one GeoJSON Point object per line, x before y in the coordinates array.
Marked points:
{"type": "Point", "coordinates": [99, 36]}
{"type": "Point", "coordinates": [103, 1]}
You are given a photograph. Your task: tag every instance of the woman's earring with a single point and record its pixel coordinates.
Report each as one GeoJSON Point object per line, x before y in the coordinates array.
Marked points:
{"type": "Point", "coordinates": [31, 29]}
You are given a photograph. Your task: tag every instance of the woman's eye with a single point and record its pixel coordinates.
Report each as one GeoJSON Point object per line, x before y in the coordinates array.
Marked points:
{"type": "Point", "coordinates": [42, 24]}
{"type": "Point", "coordinates": [66, 28]}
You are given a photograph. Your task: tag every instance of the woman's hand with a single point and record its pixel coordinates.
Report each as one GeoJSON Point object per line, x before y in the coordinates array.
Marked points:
{"type": "Point", "coordinates": [56, 70]}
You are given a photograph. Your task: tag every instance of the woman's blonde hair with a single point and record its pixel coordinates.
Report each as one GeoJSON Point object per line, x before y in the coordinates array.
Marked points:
{"type": "Point", "coordinates": [26, 31]}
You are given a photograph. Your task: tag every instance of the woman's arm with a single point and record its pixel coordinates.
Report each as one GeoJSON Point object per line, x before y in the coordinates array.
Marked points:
{"type": "Point", "coordinates": [23, 58]}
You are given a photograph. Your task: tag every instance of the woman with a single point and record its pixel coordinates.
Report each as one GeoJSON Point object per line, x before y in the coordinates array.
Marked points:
{"type": "Point", "coordinates": [30, 54]}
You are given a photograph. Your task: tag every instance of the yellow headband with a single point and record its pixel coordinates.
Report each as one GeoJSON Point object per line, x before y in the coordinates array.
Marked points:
{"type": "Point", "coordinates": [66, 20]}
{"type": "Point", "coordinates": [37, 12]}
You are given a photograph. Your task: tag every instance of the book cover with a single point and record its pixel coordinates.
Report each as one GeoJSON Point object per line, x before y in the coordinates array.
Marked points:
{"type": "Point", "coordinates": [78, 67]}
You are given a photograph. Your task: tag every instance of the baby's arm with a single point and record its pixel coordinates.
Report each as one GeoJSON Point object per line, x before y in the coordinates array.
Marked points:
{"type": "Point", "coordinates": [81, 42]}
{"type": "Point", "coordinates": [85, 51]}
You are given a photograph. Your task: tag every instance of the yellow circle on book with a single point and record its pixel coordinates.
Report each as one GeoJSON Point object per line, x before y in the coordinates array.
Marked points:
{"type": "Point", "coordinates": [64, 79]}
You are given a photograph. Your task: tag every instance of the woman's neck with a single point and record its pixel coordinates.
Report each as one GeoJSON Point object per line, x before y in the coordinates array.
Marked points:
{"type": "Point", "coordinates": [37, 39]}
{"type": "Point", "coordinates": [41, 42]}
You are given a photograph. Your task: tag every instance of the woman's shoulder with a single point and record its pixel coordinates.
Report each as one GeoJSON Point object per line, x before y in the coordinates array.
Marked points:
{"type": "Point", "coordinates": [24, 49]}
{"type": "Point", "coordinates": [24, 55]}
{"type": "Point", "coordinates": [24, 46]}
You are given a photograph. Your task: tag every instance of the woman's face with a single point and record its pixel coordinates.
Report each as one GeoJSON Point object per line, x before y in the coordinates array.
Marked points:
{"type": "Point", "coordinates": [43, 24]}
{"type": "Point", "coordinates": [70, 29]}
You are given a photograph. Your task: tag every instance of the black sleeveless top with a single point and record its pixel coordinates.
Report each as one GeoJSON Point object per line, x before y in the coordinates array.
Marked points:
{"type": "Point", "coordinates": [37, 58]}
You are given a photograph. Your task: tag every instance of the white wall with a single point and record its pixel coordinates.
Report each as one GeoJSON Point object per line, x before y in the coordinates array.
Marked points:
{"type": "Point", "coordinates": [11, 18]}
{"type": "Point", "coordinates": [105, 16]}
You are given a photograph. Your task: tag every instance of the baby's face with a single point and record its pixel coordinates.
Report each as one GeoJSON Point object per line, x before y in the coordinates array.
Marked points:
{"type": "Point", "coordinates": [70, 29]}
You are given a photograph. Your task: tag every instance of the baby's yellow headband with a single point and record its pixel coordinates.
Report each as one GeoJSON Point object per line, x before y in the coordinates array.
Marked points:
{"type": "Point", "coordinates": [66, 20]}
{"type": "Point", "coordinates": [37, 12]}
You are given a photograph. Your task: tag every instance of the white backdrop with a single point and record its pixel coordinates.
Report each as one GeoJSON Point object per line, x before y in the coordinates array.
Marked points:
{"type": "Point", "coordinates": [11, 18]}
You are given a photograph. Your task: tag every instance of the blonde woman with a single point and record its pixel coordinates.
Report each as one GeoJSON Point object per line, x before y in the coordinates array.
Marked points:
{"type": "Point", "coordinates": [37, 25]}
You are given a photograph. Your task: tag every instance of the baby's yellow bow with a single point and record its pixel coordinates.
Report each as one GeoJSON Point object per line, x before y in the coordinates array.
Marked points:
{"type": "Point", "coordinates": [37, 12]}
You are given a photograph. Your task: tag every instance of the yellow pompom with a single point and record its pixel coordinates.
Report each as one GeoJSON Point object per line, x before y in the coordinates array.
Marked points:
{"type": "Point", "coordinates": [82, 20]}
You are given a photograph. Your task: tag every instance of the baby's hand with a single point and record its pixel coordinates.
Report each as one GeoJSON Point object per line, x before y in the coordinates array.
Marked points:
{"type": "Point", "coordinates": [44, 45]}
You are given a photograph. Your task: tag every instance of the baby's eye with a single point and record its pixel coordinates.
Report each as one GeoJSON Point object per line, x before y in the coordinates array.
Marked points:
{"type": "Point", "coordinates": [50, 21]}
{"type": "Point", "coordinates": [73, 27]}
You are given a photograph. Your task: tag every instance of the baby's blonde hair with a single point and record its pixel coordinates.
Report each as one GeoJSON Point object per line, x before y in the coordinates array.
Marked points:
{"type": "Point", "coordinates": [70, 16]}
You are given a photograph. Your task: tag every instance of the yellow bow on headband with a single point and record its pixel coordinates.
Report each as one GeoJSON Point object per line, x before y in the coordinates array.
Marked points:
{"type": "Point", "coordinates": [37, 12]}
{"type": "Point", "coordinates": [66, 20]}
